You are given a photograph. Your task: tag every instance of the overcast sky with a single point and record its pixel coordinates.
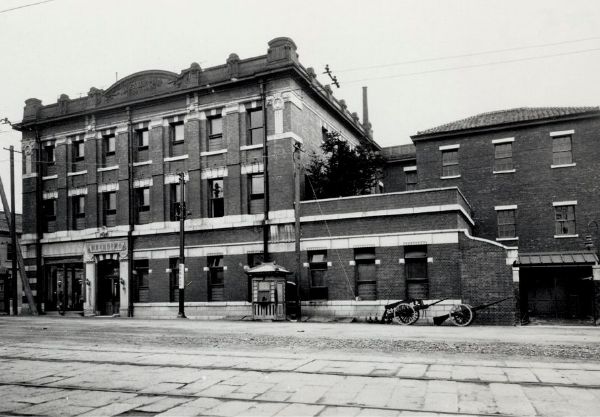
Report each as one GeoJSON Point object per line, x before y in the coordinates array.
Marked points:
{"type": "Point", "coordinates": [461, 49]}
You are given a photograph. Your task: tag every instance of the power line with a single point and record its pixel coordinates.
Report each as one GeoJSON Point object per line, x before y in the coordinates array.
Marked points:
{"type": "Point", "coordinates": [25, 5]}
{"type": "Point", "coordinates": [475, 65]}
{"type": "Point", "coordinates": [465, 55]}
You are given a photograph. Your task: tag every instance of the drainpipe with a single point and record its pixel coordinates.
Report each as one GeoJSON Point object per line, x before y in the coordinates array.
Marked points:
{"type": "Point", "coordinates": [131, 213]}
{"type": "Point", "coordinates": [265, 148]}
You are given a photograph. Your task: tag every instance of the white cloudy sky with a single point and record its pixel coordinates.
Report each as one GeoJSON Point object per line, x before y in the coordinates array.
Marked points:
{"type": "Point", "coordinates": [461, 49]}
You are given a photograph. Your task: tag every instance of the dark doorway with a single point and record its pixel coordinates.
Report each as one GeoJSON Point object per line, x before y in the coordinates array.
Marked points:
{"type": "Point", "coordinates": [550, 292]}
{"type": "Point", "coordinates": [108, 287]}
{"type": "Point", "coordinates": [65, 286]}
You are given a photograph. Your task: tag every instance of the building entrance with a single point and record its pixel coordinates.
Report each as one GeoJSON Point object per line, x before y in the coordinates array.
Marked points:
{"type": "Point", "coordinates": [64, 286]}
{"type": "Point", "coordinates": [108, 287]}
{"type": "Point", "coordinates": [557, 292]}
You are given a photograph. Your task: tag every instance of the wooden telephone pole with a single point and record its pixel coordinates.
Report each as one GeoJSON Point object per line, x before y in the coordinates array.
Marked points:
{"type": "Point", "coordinates": [9, 213]}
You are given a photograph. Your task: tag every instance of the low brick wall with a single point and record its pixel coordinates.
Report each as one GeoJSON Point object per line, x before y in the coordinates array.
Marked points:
{"type": "Point", "coordinates": [194, 310]}
{"type": "Point", "coordinates": [363, 310]}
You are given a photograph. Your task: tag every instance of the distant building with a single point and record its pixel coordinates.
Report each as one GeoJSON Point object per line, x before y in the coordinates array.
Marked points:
{"type": "Point", "coordinates": [532, 178]}
{"type": "Point", "coordinates": [100, 181]}
{"type": "Point", "coordinates": [6, 255]}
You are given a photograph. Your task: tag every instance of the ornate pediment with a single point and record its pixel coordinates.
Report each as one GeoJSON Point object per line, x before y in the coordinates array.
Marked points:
{"type": "Point", "coordinates": [140, 84]}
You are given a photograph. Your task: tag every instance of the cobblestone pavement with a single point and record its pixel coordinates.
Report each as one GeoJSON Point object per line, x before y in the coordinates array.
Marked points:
{"type": "Point", "coordinates": [88, 367]}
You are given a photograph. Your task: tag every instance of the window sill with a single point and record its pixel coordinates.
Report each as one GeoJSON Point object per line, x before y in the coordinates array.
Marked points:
{"type": "Point", "coordinates": [72, 174]}
{"type": "Point", "coordinates": [508, 171]}
{"type": "Point", "coordinates": [50, 177]}
{"type": "Point", "coordinates": [563, 165]}
{"type": "Point", "coordinates": [175, 158]}
{"type": "Point", "coordinates": [177, 142]}
{"type": "Point", "coordinates": [209, 153]}
{"type": "Point", "coordinates": [503, 239]}
{"type": "Point", "coordinates": [248, 147]}
{"type": "Point", "coordinates": [564, 236]}
{"type": "Point", "coordinates": [450, 177]}
{"type": "Point", "coordinates": [141, 163]}
{"type": "Point", "coordinates": [111, 168]}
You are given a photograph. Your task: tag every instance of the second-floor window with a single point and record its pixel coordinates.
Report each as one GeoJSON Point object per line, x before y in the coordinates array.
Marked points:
{"type": "Point", "coordinates": [503, 157]}
{"type": "Point", "coordinates": [562, 150]}
{"type": "Point", "coordinates": [9, 252]}
{"type": "Point", "coordinates": [450, 167]}
{"type": "Point", "coordinates": [411, 180]}
{"type": "Point", "coordinates": [49, 155]}
{"type": "Point", "coordinates": [78, 149]}
{"type": "Point", "coordinates": [507, 227]}
{"type": "Point", "coordinates": [217, 206]}
{"type": "Point", "coordinates": [143, 199]}
{"type": "Point", "coordinates": [49, 209]}
{"type": "Point", "coordinates": [79, 206]}
{"type": "Point", "coordinates": [215, 134]}
{"type": "Point", "coordinates": [109, 145]}
{"type": "Point", "coordinates": [564, 220]}
{"type": "Point", "coordinates": [109, 207]}
{"type": "Point", "coordinates": [257, 193]}
{"type": "Point", "coordinates": [255, 127]}
{"type": "Point", "coordinates": [175, 198]}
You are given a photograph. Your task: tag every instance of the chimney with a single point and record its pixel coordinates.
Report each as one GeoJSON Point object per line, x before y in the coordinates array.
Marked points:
{"type": "Point", "coordinates": [365, 107]}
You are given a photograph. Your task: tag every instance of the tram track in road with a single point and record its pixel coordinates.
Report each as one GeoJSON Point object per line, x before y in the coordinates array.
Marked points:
{"type": "Point", "coordinates": [298, 370]}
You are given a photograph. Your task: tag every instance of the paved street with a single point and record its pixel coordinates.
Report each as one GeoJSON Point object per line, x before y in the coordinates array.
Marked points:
{"type": "Point", "coordinates": [63, 366]}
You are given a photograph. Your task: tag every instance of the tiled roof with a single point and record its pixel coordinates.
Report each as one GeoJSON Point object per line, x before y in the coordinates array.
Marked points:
{"type": "Point", "coordinates": [557, 258]}
{"type": "Point", "coordinates": [521, 114]}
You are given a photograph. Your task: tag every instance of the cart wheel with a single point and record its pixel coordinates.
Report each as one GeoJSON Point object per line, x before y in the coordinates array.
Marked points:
{"type": "Point", "coordinates": [462, 315]}
{"type": "Point", "coordinates": [405, 314]}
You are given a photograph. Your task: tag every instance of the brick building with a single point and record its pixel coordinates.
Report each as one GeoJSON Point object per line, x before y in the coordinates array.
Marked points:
{"type": "Point", "coordinates": [6, 256]}
{"type": "Point", "coordinates": [531, 176]}
{"type": "Point", "coordinates": [100, 175]}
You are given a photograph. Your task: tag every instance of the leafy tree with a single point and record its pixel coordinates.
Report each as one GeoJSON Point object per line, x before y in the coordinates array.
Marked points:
{"type": "Point", "coordinates": [342, 171]}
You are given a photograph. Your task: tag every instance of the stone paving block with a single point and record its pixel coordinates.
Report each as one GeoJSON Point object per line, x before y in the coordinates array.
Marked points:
{"type": "Point", "coordinates": [309, 394]}
{"type": "Point", "coordinates": [510, 399]}
{"type": "Point", "coordinates": [374, 395]}
{"type": "Point", "coordinates": [340, 411]}
{"type": "Point", "coordinates": [274, 395]}
{"type": "Point", "coordinates": [412, 370]}
{"type": "Point", "coordinates": [441, 402]}
{"type": "Point", "coordinates": [110, 410]}
{"type": "Point", "coordinates": [218, 390]}
{"type": "Point", "coordinates": [59, 407]}
{"type": "Point", "coordinates": [377, 412]}
{"type": "Point", "coordinates": [300, 410]}
{"type": "Point", "coordinates": [520, 375]}
{"type": "Point", "coordinates": [255, 388]}
{"type": "Point", "coordinates": [161, 387]}
{"type": "Point", "coordinates": [162, 404]}
{"type": "Point", "coordinates": [181, 411]}
{"type": "Point", "coordinates": [230, 408]}
{"type": "Point", "coordinates": [265, 409]}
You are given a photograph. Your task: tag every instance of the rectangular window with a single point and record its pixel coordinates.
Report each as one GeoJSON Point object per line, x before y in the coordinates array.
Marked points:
{"type": "Point", "coordinates": [79, 206]}
{"type": "Point", "coordinates": [507, 227]}
{"type": "Point", "coordinates": [9, 252]}
{"type": "Point", "coordinates": [565, 220]}
{"type": "Point", "coordinates": [215, 134]}
{"type": "Point", "coordinates": [143, 199]}
{"type": "Point", "coordinates": [78, 149]}
{"type": "Point", "coordinates": [176, 132]}
{"type": "Point", "coordinates": [109, 145]}
{"type": "Point", "coordinates": [142, 136]}
{"type": "Point", "coordinates": [49, 207]}
{"type": "Point", "coordinates": [141, 270]}
{"type": "Point", "coordinates": [175, 199]}
{"type": "Point", "coordinates": [366, 273]}
{"type": "Point", "coordinates": [255, 127]}
{"type": "Point", "coordinates": [317, 261]}
{"type": "Point", "coordinates": [411, 180]}
{"type": "Point", "coordinates": [503, 157]}
{"type": "Point", "coordinates": [450, 166]}
{"type": "Point", "coordinates": [562, 150]}
{"type": "Point", "coordinates": [415, 263]}
{"type": "Point", "coordinates": [49, 155]}
{"type": "Point", "coordinates": [257, 193]}
{"type": "Point", "coordinates": [216, 281]}
{"type": "Point", "coordinates": [254, 259]}
{"type": "Point", "coordinates": [217, 202]}
{"type": "Point", "coordinates": [174, 280]}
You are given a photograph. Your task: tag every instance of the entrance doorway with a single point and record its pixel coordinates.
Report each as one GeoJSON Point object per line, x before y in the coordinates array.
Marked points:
{"type": "Point", "coordinates": [108, 287]}
{"type": "Point", "coordinates": [64, 286]}
{"type": "Point", "coordinates": [557, 293]}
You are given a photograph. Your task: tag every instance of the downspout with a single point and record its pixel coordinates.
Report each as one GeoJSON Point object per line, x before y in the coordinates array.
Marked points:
{"type": "Point", "coordinates": [131, 213]}
{"type": "Point", "coordinates": [265, 148]}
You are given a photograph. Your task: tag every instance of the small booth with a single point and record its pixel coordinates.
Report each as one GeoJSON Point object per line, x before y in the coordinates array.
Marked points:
{"type": "Point", "coordinates": [268, 291]}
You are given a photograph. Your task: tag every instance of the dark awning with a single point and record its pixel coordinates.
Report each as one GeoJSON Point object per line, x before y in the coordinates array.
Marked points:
{"type": "Point", "coordinates": [546, 258]}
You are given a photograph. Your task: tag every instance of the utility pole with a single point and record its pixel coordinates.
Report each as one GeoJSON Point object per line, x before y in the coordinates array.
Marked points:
{"type": "Point", "coordinates": [297, 227]}
{"type": "Point", "coordinates": [13, 233]}
{"type": "Point", "coordinates": [182, 215]}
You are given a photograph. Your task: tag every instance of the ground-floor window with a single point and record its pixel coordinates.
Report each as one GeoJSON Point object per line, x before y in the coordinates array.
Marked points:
{"type": "Point", "coordinates": [366, 273]}
{"type": "Point", "coordinates": [141, 269]}
{"type": "Point", "coordinates": [216, 282]}
{"type": "Point", "coordinates": [65, 286]}
{"type": "Point", "coordinates": [317, 261]}
{"type": "Point", "coordinates": [417, 282]}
